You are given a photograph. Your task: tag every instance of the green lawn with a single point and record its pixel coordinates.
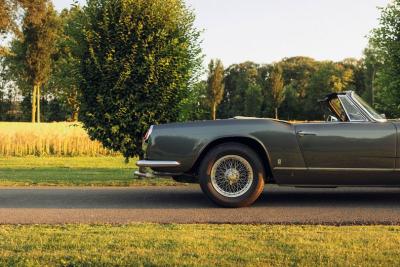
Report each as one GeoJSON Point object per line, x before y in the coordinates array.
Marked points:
{"type": "Point", "coordinates": [72, 171]}
{"type": "Point", "coordinates": [204, 245]}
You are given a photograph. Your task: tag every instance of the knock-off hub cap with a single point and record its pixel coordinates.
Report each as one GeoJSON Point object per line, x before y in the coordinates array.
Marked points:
{"type": "Point", "coordinates": [232, 175]}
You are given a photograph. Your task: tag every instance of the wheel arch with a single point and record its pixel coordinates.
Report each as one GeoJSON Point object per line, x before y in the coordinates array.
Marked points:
{"type": "Point", "coordinates": [251, 142]}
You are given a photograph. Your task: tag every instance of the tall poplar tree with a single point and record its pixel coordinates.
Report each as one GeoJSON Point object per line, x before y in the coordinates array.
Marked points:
{"type": "Point", "coordinates": [39, 33]}
{"type": "Point", "coordinates": [277, 89]}
{"type": "Point", "coordinates": [215, 92]}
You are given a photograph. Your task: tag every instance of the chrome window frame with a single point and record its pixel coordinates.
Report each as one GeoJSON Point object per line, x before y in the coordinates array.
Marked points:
{"type": "Point", "coordinates": [355, 106]}
{"type": "Point", "coordinates": [360, 106]}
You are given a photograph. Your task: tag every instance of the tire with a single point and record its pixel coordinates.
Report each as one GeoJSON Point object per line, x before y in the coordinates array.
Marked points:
{"type": "Point", "coordinates": [229, 186]}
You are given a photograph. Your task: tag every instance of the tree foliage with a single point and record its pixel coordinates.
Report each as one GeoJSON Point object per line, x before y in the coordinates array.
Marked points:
{"type": "Point", "coordinates": [9, 20]}
{"type": "Point", "coordinates": [294, 85]}
{"type": "Point", "coordinates": [215, 86]}
{"type": "Point", "coordinates": [385, 44]}
{"type": "Point", "coordinates": [31, 56]}
{"type": "Point", "coordinates": [194, 107]}
{"type": "Point", "coordinates": [277, 89]}
{"type": "Point", "coordinates": [6, 16]}
{"type": "Point", "coordinates": [243, 84]}
{"type": "Point", "coordinates": [66, 78]}
{"type": "Point", "coordinates": [139, 61]}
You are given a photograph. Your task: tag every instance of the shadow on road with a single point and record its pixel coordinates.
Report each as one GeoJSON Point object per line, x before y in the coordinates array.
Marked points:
{"type": "Point", "coordinates": [338, 197]}
{"type": "Point", "coordinates": [192, 197]}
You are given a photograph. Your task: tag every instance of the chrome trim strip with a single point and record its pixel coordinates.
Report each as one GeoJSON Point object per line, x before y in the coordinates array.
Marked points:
{"type": "Point", "coordinates": [157, 163]}
{"type": "Point", "coordinates": [335, 169]}
{"type": "Point", "coordinates": [290, 169]}
{"type": "Point", "coordinates": [352, 169]}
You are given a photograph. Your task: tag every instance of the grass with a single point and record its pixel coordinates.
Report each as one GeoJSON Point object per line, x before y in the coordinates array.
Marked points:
{"type": "Point", "coordinates": [72, 171]}
{"type": "Point", "coordinates": [200, 245]}
{"type": "Point", "coordinates": [47, 139]}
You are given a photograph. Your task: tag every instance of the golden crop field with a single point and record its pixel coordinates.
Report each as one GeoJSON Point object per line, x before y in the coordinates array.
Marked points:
{"type": "Point", "coordinates": [47, 139]}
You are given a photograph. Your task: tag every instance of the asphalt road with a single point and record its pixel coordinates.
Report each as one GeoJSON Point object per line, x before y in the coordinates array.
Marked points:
{"type": "Point", "coordinates": [188, 205]}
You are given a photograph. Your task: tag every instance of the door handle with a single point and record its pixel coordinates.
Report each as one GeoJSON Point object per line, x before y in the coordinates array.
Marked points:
{"type": "Point", "coordinates": [301, 134]}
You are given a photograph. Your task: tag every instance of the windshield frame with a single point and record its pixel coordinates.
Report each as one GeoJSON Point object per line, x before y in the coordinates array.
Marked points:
{"type": "Point", "coordinates": [366, 108]}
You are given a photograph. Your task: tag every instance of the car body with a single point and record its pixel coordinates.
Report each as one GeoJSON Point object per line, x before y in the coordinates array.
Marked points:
{"type": "Point", "coordinates": [354, 147]}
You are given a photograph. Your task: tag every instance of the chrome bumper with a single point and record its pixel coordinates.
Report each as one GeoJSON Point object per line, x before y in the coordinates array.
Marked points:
{"type": "Point", "coordinates": [142, 164]}
{"type": "Point", "coordinates": [157, 163]}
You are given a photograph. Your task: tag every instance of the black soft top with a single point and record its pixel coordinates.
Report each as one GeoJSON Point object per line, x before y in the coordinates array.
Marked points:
{"type": "Point", "coordinates": [333, 95]}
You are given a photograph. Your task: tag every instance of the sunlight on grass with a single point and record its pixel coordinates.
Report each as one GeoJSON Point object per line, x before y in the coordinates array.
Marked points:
{"type": "Point", "coordinates": [204, 245]}
{"type": "Point", "coordinates": [72, 171]}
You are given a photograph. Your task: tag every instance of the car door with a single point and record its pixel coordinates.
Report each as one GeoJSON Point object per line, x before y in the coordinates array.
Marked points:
{"type": "Point", "coordinates": [354, 151]}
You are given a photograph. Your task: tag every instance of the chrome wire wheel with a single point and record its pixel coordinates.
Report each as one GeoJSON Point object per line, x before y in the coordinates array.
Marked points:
{"type": "Point", "coordinates": [232, 176]}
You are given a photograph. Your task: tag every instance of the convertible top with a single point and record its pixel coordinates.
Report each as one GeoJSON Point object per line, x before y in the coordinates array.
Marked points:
{"type": "Point", "coordinates": [332, 95]}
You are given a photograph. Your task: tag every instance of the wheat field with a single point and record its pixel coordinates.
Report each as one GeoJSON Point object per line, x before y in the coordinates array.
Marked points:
{"type": "Point", "coordinates": [48, 139]}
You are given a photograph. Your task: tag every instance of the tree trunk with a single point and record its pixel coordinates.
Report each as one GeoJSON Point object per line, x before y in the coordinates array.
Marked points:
{"type": "Point", "coordinates": [34, 96]}
{"type": "Point", "coordinates": [38, 103]}
{"type": "Point", "coordinates": [214, 112]}
{"type": "Point", "coordinates": [75, 116]}
{"type": "Point", "coordinates": [276, 114]}
{"type": "Point", "coordinates": [74, 104]}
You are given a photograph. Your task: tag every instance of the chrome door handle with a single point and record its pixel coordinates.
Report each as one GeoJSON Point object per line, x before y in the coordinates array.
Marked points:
{"type": "Point", "coordinates": [301, 134]}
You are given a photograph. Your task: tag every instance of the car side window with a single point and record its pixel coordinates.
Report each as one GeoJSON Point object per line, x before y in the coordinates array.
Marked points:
{"type": "Point", "coordinates": [338, 109]}
{"type": "Point", "coordinates": [352, 111]}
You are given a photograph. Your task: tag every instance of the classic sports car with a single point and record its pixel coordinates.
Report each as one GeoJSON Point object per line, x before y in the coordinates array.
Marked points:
{"type": "Point", "coordinates": [232, 159]}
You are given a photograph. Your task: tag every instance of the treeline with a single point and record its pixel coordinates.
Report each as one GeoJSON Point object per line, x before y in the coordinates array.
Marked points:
{"type": "Point", "coordinates": [289, 89]}
{"type": "Point", "coordinates": [247, 91]}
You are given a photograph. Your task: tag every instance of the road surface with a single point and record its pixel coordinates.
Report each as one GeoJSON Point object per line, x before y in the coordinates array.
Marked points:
{"type": "Point", "coordinates": [188, 205]}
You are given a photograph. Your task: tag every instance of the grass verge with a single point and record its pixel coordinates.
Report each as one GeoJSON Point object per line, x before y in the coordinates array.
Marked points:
{"type": "Point", "coordinates": [72, 171]}
{"type": "Point", "coordinates": [200, 245]}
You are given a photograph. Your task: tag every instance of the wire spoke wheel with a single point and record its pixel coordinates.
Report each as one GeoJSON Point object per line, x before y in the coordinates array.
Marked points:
{"type": "Point", "coordinates": [232, 176]}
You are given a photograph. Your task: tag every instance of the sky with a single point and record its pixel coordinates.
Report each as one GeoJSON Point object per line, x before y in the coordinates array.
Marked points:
{"type": "Point", "coordinates": [265, 31]}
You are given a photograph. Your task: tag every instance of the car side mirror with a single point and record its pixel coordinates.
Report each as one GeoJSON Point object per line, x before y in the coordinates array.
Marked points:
{"type": "Point", "coordinates": [332, 119]}
{"type": "Point", "coordinates": [383, 115]}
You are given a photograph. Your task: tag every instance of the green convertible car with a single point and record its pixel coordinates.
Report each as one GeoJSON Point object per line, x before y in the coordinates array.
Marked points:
{"type": "Point", "coordinates": [233, 158]}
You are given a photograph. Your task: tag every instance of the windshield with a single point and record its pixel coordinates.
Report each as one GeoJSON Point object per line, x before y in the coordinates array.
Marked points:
{"type": "Point", "coordinates": [370, 110]}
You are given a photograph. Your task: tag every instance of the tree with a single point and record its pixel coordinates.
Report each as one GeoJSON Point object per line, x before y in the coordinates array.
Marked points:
{"type": "Point", "coordinates": [253, 100]}
{"type": "Point", "coordinates": [194, 106]}
{"type": "Point", "coordinates": [8, 17]}
{"type": "Point", "coordinates": [277, 89]}
{"type": "Point", "coordinates": [66, 77]}
{"type": "Point", "coordinates": [371, 65]}
{"type": "Point", "coordinates": [141, 56]}
{"type": "Point", "coordinates": [241, 85]}
{"type": "Point", "coordinates": [296, 73]}
{"type": "Point", "coordinates": [215, 86]}
{"type": "Point", "coordinates": [385, 42]}
{"type": "Point", "coordinates": [34, 51]}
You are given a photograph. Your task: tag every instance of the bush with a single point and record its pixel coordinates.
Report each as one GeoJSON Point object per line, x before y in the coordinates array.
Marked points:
{"type": "Point", "coordinates": [141, 57]}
